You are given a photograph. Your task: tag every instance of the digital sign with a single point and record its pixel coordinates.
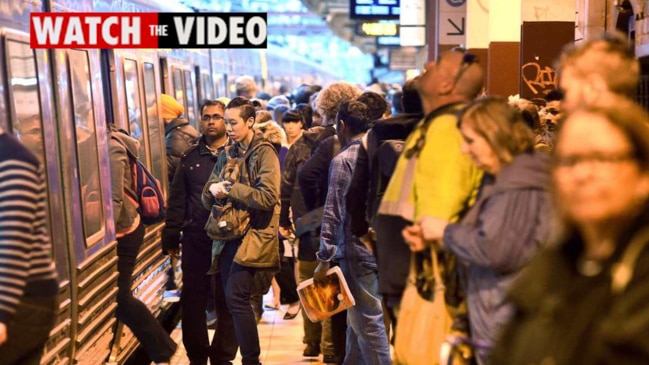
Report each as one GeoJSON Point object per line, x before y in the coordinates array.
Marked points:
{"type": "Point", "coordinates": [374, 9]}
{"type": "Point", "coordinates": [376, 29]}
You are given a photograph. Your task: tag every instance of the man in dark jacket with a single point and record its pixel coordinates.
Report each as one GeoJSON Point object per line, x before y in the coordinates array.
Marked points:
{"type": "Point", "coordinates": [186, 218]}
{"type": "Point", "coordinates": [255, 189]}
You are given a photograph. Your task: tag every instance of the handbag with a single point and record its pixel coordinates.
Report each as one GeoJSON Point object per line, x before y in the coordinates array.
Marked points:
{"type": "Point", "coordinates": [424, 320]}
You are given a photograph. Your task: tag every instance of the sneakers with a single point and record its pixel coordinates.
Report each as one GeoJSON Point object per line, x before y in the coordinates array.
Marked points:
{"type": "Point", "coordinates": [210, 317]}
{"type": "Point", "coordinates": [311, 350]}
{"type": "Point", "coordinates": [171, 296]}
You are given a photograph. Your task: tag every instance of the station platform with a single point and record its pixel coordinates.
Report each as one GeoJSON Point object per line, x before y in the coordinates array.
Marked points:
{"type": "Point", "coordinates": [280, 340]}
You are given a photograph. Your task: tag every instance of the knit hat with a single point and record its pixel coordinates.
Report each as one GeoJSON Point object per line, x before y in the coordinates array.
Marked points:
{"type": "Point", "coordinates": [171, 109]}
{"type": "Point", "coordinates": [276, 101]}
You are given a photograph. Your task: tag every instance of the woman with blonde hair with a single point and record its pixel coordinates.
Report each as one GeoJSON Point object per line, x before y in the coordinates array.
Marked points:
{"type": "Point", "coordinates": [504, 229]}
{"type": "Point", "coordinates": [584, 300]}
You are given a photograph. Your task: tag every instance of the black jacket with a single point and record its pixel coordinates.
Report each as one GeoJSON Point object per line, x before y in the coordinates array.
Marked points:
{"type": "Point", "coordinates": [314, 175]}
{"type": "Point", "coordinates": [300, 151]}
{"type": "Point", "coordinates": [184, 208]}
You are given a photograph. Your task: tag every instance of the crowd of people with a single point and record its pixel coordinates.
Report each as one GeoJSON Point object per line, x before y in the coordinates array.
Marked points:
{"type": "Point", "coordinates": [533, 215]}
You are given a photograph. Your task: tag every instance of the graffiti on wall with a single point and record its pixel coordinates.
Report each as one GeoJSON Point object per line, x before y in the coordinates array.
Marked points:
{"type": "Point", "coordinates": [539, 79]}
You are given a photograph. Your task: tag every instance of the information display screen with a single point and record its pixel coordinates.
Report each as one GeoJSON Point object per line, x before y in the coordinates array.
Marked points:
{"type": "Point", "coordinates": [374, 9]}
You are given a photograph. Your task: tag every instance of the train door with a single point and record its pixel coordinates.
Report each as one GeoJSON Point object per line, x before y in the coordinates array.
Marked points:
{"type": "Point", "coordinates": [29, 117]}
{"type": "Point", "coordinates": [88, 211]}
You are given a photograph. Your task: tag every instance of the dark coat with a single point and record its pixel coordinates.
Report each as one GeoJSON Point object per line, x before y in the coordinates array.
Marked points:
{"type": "Point", "coordinates": [314, 175]}
{"type": "Point", "coordinates": [564, 317]}
{"type": "Point", "coordinates": [300, 151]}
{"type": "Point", "coordinates": [184, 207]}
{"type": "Point", "coordinates": [179, 137]}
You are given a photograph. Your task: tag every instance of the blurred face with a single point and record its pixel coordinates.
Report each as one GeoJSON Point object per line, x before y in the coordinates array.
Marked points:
{"type": "Point", "coordinates": [32, 137]}
{"type": "Point", "coordinates": [597, 178]}
{"type": "Point", "coordinates": [479, 150]}
{"type": "Point", "coordinates": [237, 128]}
{"type": "Point", "coordinates": [553, 113]}
{"type": "Point", "coordinates": [293, 129]}
{"type": "Point", "coordinates": [316, 118]}
{"type": "Point", "coordinates": [212, 122]}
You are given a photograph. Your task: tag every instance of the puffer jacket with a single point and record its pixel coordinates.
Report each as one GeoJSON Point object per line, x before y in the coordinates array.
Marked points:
{"type": "Point", "coordinates": [121, 181]}
{"type": "Point", "coordinates": [259, 247]}
{"type": "Point", "coordinates": [179, 137]}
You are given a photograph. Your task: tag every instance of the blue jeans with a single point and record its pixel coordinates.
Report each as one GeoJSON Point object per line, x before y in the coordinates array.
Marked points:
{"type": "Point", "coordinates": [28, 331]}
{"type": "Point", "coordinates": [367, 341]}
{"type": "Point", "coordinates": [237, 284]}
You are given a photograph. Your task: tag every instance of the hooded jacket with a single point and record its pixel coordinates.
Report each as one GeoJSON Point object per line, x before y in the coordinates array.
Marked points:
{"type": "Point", "coordinates": [499, 236]}
{"type": "Point", "coordinates": [259, 247]}
{"type": "Point", "coordinates": [121, 181]}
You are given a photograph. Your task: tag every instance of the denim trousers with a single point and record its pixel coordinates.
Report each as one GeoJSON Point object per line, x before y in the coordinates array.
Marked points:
{"type": "Point", "coordinates": [367, 341]}
{"type": "Point", "coordinates": [196, 262]}
{"type": "Point", "coordinates": [28, 331]}
{"type": "Point", "coordinates": [318, 333]}
{"type": "Point", "coordinates": [133, 313]}
{"type": "Point", "coordinates": [237, 284]}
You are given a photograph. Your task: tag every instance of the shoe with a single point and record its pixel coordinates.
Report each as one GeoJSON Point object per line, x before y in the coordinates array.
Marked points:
{"type": "Point", "coordinates": [311, 350]}
{"type": "Point", "coordinates": [210, 317]}
{"type": "Point", "coordinates": [274, 307]}
{"type": "Point", "coordinates": [171, 296]}
{"type": "Point", "coordinates": [330, 359]}
{"type": "Point", "coordinates": [292, 311]}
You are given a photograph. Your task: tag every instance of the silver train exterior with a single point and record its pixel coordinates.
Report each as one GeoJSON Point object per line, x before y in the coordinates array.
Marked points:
{"type": "Point", "coordinates": [58, 102]}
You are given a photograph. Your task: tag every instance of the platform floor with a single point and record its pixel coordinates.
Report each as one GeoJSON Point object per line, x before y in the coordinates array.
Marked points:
{"type": "Point", "coordinates": [280, 340]}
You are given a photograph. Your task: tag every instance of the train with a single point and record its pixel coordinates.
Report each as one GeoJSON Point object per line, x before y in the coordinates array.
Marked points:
{"type": "Point", "coordinates": [58, 102]}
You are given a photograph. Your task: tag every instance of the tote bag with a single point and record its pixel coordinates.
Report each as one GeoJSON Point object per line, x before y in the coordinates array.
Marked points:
{"type": "Point", "coordinates": [424, 320]}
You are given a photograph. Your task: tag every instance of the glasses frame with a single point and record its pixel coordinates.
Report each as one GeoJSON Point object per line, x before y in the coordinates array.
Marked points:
{"type": "Point", "coordinates": [215, 117]}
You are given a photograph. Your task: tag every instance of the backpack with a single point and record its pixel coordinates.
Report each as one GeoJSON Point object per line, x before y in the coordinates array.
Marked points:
{"type": "Point", "coordinates": [232, 220]}
{"type": "Point", "coordinates": [149, 198]}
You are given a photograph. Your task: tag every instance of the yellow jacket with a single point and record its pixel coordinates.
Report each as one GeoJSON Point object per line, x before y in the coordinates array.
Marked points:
{"type": "Point", "coordinates": [443, 182]}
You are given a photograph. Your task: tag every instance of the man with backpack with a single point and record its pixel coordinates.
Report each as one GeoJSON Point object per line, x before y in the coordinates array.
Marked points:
{"type": "Point", "coordinates": [185, 223]}
{"type": "Point", "coordinates": [179, 134]}
{"type": "Point", "coordinates": [243, 196]}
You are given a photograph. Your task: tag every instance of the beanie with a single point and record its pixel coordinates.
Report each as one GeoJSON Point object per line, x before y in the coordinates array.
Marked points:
{"type": "Point", "coordinates": [171, 109]}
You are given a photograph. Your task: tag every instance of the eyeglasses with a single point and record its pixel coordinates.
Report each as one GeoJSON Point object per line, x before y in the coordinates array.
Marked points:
{"type": "Point", "coordinates": [598, 160]}
{"type": "Point", "coordinates": [207, 117]}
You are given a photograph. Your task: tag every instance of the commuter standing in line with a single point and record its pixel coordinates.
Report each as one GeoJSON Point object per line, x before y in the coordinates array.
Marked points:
{"type": "Point", "coordinates": [28, 281]}
{"type": "Point", "coordinates": [185, 223]}
{"type": "Point", "coordinates": [600, 70]}
{"type": "Point", "coordinates": [129, 231]}
{"type": "Point", "coordinates": [245, 86]}
{"type": "Point", "coordinates": [343, 223]}
{"type": "Point", "coordinates": [238, 260]}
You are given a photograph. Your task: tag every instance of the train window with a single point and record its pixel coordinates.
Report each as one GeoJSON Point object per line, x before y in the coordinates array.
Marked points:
{"type": "Point", "coordinates": [155, 135]}
{"type": "Point", "coordinates": [133, 107]}
{"type": "Point", "coordinates": [86, 136]}
{"type": "Point", "coordinates": [190, 112]}
{"type": "Point", "coordinates": [219, 82]}
{"type": "Point", "coordinates": [206, 87]}
{"type": "Point", "coordinates": [27, 125]}
{"type": "Point", "coordinates": [179, 89]}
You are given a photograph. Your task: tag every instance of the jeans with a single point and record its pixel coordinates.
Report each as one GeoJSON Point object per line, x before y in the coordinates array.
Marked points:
{"type": "Point", "coordinates": [319, 332]}
{"type": "Point", "coordinates": [237, 284]}
{"type": "Point", "coordinates": [28, 331]}
{"type": "Point", "coordinates": [367, 341]}
{"type": "Point", "coordinates": [197, 251]}
{"type": "Point", "coordinates": [133, 313]}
